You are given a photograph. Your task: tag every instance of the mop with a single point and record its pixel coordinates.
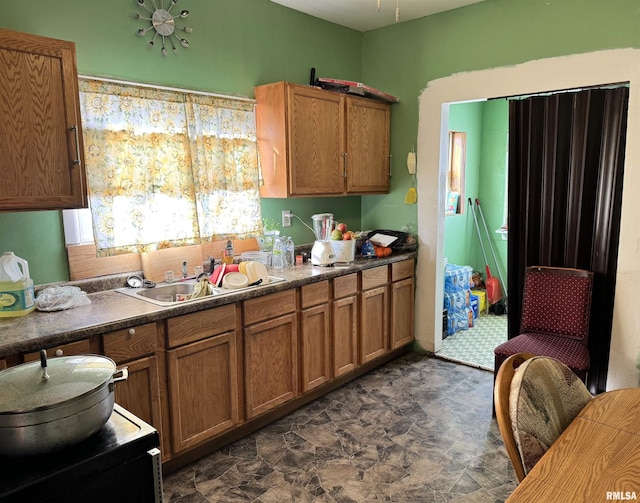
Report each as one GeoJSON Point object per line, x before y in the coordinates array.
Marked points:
{"type": "Point", "coordinates": [493, 252]}
{"type": "Point", "coordinates": [494, 293]}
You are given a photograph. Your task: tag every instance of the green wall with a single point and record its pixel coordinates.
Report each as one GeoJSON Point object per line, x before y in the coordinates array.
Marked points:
{"type": "Point", "coordinates": [237, 44]}
{"type": "Point", "coordinates": [460, 235]}
{"type": "Point", "coordinates": [487, 126]}
{"type": "Point", "coordinates": [493, 181]}
{"type": "Point", "coordinates": [405, 57]}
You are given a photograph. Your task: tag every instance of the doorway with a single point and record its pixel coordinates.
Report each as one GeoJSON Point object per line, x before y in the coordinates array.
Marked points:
{"type": "Point", "coordinates": [485, 126]}
{"type": "Point", "coordinates": [533, 77]}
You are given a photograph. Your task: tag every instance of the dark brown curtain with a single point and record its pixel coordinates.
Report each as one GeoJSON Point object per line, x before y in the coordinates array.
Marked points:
{"type": "Point", "coordinates": [566, 156]}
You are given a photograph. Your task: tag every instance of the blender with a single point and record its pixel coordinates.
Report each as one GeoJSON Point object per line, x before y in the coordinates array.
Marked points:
{"type": "Point", "coordinates": [322, 251]}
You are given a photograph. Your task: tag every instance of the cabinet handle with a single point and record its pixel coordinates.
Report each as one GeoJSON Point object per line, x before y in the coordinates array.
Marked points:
{"type": "Point", "coordinates": [132, 331]}
{"type": "Point", "coordinates": [75, 129]}
{"type": "Point", "coordinates": [389, 172]}
{"type": "Point", "coordinates": [344, 165]}
{"type": "Point", "coordinates": [59, 352]}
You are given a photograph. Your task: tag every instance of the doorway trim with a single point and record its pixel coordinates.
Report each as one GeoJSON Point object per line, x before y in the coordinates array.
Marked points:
{"type": "Point", "coordinates": [545, 75]}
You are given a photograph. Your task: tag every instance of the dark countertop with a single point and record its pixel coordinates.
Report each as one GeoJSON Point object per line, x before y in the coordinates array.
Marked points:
{"type": "Point", "coordinates": [110, 310]}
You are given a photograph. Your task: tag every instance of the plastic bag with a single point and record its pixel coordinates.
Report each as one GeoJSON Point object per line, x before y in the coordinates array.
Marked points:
{"type": "Point", "coordinates": [57, 298]}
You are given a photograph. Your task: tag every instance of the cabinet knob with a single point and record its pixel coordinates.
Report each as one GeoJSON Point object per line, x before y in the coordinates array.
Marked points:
{"type": "Point", "coordinates": [132, 331]}
{"type": "Point", "coordinates": [59, 352]}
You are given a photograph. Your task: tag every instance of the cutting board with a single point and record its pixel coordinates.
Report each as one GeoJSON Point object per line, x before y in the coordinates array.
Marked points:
{"type": "Point", "coordinates": [156, 263]}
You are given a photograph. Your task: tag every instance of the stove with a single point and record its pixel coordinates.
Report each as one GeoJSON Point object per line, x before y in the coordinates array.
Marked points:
{"type": "Point", "coordinates": [120, 463]}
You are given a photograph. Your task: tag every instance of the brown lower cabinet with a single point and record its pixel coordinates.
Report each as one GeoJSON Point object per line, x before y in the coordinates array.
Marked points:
{"type": "Point", "coordinates": [315, 335]}
{"type": "Point", "coordinates": [141, 350]}
{"type": "Point", "coordinates": [203, 377]}
{"type": "Point", "coordinates": [402, 300]}
{"type": "Point", "coordinates": [270, 352]}
{"type": "Point", "coordinates": [203, 381]}
{"type": "Point", "coordinates": [374, 307]}
{"type": "Point", "coordinates": [344, 314]}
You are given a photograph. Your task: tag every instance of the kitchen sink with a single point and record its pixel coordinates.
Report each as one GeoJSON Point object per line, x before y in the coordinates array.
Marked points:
{"type": "Point", "coordinates": [172, 289]}
{"type": "Point", "coordinates": [184, 288]}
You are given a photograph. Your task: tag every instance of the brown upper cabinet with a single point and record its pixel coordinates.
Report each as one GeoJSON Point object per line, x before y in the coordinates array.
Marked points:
{"type": "Point", "coordinates": [41, 149]}
{"type": "Point", "coordinates": [314, 142]}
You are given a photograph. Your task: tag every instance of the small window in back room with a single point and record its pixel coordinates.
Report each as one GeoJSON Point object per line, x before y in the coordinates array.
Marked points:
{"type": "Point", "coordinates": [455, 173]}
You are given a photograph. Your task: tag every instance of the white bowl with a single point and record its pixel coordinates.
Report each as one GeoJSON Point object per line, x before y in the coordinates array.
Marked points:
{"type": "Point", "coordinates": [235, 280]}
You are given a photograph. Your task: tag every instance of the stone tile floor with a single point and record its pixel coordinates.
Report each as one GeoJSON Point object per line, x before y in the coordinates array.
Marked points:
{"type": "Point", "coordinates": [416, 430]}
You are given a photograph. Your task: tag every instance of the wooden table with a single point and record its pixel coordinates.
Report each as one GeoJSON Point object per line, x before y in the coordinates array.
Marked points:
{"type": "Point", "coordinates": [597, 458]}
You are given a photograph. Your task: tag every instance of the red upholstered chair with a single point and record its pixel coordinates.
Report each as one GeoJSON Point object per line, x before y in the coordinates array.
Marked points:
{"type": "Point", "coordinates": [556, 305]}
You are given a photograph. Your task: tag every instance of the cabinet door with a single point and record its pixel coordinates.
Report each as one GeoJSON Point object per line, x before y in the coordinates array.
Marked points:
{"type": "Point", "coordinates": [345, 335]}
{"type": "Point", "coordinates": [271, 373]}
{"type": "Point", "coordinates": [203, 389]}
{"type": "Point", "coordinates": [315, 346]}
{"type": "Point", "coordinates": [140, 393]}
{"type": "Point", "coordinates": [374, 331]}
{"type": "Point", "coordinates": [368, 164]}
{"type": "Point", "coordinates": [41, 150]}
{"type": "Point", "coordinates": [316, 142]}
{"type": "Point", "coordinates": [401, 313]}
{"type": "Point", "coordinates": [137, 349]}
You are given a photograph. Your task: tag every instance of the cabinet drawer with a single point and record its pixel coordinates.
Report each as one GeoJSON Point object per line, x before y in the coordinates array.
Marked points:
{"type": "Point", "coordinates": [269, 306]}
{"type": "Point", "coordinates": [372, 278]}
{"type": "Point", "coordinates": [314, 294]}
{"type": "Point", "coordinates": [345, 286]}
{"type": "Point", "coordinates": [402, 270]}
{"type": "Point", "coordinates": [196, 326]}
{"type": "Point", "coordinates": [73, 348]}
{"type": "Point", "coordinates": [130, 343]}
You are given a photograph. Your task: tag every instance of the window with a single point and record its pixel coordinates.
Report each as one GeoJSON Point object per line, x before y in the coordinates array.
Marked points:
{"type": "Point", "coordinates": [168, 167]}
{"type": "Point", "coordinates": [455, 173]}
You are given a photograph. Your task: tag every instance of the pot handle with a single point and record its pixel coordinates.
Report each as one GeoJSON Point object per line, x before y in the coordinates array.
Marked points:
{"type": "Point", "coordinates": [124, 373]}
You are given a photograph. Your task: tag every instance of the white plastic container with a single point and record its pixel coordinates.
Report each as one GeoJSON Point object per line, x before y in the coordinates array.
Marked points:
{"type": "Point", "coordinates": [345, 251]}
{"type": "Point", "coordinates": [255, 256]}
{"type": "Point", "coordinates": [16, 286]}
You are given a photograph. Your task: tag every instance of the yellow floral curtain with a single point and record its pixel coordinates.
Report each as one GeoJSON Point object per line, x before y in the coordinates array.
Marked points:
{"type": "Point", "coordinates": [225, 166]}
{"type": "Point", "coordinates": [167, 168]}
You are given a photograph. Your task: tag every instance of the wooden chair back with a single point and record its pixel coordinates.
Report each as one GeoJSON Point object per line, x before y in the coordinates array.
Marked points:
{"type": "Point", "coordinates": [501, 392]}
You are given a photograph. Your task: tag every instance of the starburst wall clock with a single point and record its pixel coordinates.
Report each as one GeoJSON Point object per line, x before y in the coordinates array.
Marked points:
{"type": "Point", "coordinates": [163, 24]}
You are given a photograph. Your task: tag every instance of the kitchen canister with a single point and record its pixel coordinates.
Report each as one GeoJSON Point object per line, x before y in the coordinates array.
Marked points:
{"type": "Point", "coordinates": [16, 286]}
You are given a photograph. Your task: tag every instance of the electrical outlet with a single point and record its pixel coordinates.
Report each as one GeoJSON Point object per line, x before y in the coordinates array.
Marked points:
{"type": "Point", "coordinates": [286, 218]}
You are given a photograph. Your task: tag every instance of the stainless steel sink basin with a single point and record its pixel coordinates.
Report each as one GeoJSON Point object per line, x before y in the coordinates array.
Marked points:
{"type": "Point", "coordinates": [183, 288]}
{"type": "Point", "coordinates": [171, 289]}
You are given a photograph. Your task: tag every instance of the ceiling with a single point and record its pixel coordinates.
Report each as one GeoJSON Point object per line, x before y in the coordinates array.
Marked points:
{"type": "Point", "coordinates": [363, 15]}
